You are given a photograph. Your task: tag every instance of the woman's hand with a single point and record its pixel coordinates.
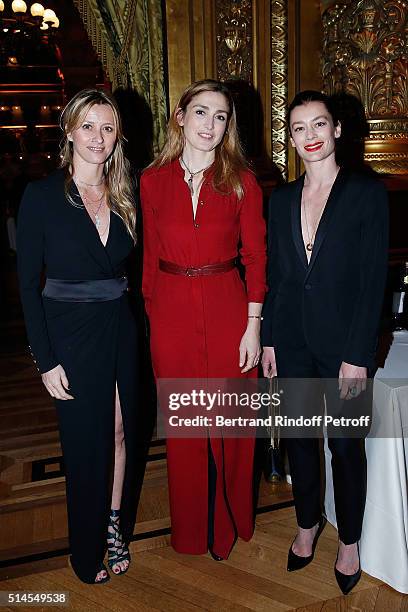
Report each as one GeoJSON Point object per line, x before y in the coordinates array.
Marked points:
{"type": "Point", "coordinates": [352, 380]}
{"type": "Point", "coordinates": [269, 362]}
{"type": "Point", "coordinates": [56, 383]}
{"type": "Point", "coordinates": [250, 348]}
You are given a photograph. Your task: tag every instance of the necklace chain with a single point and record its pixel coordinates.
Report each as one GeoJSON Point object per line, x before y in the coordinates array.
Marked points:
{"type": "Point", "coordinates": [192, 174]}
{"type": "Point", "coordinates": [311, 238]}
{"type": "Point", "coordinates": [77, 180]}
{"type": "Point", "coordinates": [88, 199]}
{"type": "Point", "coordinates": [89, 203]}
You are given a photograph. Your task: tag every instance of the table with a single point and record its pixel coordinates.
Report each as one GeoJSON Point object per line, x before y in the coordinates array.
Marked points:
{"type": "Point", "coordinates": [384, 539]}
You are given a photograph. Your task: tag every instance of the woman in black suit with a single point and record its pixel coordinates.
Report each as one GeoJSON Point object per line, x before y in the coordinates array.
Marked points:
{"type": "Point", "coordinates": [79, 223]}
{"type": "Point", "coordinates": [328, 247]}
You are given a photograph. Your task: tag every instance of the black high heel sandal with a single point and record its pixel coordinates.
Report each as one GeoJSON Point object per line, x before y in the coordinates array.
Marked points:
{"type": "Point", "coordinates": [117, 550]}
{"type": "Point", "coordinates": [347, 582]}
{"type": "Point", "coordinates": [297, 563]}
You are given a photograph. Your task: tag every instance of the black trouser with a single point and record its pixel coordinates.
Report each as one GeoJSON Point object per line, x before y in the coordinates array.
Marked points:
{"type": "Point", "coordinates": [348, 454]}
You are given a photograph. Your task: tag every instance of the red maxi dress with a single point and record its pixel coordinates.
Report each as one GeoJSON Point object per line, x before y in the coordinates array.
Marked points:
{"type": "Point", "coordinates": [196, 326]}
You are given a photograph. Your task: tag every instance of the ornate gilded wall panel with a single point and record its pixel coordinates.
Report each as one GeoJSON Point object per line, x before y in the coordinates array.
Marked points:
{"type": "Point", "coordinates": [365, 54]}
{"type": "Point", "coordinates": [279, 67]}
{"type": "Point", "coordinates": [190, 37]}
{"type": "Point", "coordinates": [229, 39]}
{"type": "Point", "coordinates": [234, 46]}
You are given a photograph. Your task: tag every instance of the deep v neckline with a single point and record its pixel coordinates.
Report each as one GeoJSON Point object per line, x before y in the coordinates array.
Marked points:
{"type": "Point", "coordinates": [324, 223]}
{"type": "Point", "coordinates": [109, 230]}
{"type": "Point", "coordinates": [321, 218]}
{"type": "Point", "coordinates": [92, 223]}
{"type": "Point", "coordinates": [183, 175]}
{"type": "Point", "coordinates": [194, 212]}
{"type": "Point", "coordinates": [94, 230]}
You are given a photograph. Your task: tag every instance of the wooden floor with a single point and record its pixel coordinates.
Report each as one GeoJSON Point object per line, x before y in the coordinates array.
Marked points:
{"type": "Point", "coordinates": [33, 530]}
{"type": "Point", "coordinates": [254, 578]}
{"type": "Point", "coordinates": [32, 486]}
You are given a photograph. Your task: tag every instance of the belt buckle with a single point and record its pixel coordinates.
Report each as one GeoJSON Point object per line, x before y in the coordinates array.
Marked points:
{"type": "Point", "coordinates": [191, 272]}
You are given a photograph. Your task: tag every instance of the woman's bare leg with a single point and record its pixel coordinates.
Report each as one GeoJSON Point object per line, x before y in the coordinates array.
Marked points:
{"type": "Point", "coordinates": [120, 456]}
{"type": "Point", "coordinates": [119, 472]}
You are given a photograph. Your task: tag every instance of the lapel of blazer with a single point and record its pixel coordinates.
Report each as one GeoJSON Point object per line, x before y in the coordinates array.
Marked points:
{"type": "Point", "coordinates": [295, 205]}
{"type": "Point", "coordinates": [331, 205]}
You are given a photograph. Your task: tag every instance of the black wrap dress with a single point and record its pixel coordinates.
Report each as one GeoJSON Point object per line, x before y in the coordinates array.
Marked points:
{"type": "Point", "coordinates": [95, 342]}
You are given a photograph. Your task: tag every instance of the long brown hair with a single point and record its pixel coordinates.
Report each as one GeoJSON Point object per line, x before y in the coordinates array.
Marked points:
{"type": "Point", "coordinates": [229, 159]}
{"type": "Point", "coordinates": [116, 167]}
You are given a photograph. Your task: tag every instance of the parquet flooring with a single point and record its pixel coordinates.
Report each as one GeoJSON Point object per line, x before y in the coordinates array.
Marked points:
{"type": "Point", "coordinates": [33, 533]}
{"type": "Point", "coordinates": [32, 486]}
{"type": "Point", "coordinates": [253, 578]}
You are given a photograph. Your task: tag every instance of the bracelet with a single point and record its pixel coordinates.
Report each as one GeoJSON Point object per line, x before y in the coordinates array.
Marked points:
{"type": "Point", "coordinates": [255, 317]}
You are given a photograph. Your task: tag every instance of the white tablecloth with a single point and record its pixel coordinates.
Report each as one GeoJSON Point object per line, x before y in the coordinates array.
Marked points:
{"type": "Point", "coordinates": [384, 539]}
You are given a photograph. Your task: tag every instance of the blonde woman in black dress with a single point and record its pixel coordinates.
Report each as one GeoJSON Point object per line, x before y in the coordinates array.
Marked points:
{"type": "Point", "coordinates": [79, 223]}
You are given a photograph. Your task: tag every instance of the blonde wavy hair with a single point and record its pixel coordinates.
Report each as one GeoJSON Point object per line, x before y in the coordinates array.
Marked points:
{"type": "Point", "coordinates": [116, 168]}
{"type": "Point", "coordinates": [229, 160]}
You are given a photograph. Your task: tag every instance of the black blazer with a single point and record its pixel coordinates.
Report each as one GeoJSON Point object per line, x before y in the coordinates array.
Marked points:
{"type": "Point", "coordinates": [333, 304]}
{"type": "Point", "coordinates": [53, 234]}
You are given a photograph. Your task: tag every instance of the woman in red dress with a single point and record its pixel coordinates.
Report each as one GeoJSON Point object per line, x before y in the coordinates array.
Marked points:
{"type": "Point", "coordinates": [200, 205]}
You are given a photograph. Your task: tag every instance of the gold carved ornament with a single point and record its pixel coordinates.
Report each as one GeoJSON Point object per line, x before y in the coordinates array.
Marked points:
{"type": "Point", "coordinates": [234, 40]}
{"type": "Point", "coordinates": [235, 59]}
{"type": "Point", "coordinates": [279, 93]}
{"type": "Point", "coordinates": [365, 54]}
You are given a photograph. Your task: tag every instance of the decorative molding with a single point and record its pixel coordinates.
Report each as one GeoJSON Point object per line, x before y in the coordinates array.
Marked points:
{"type": "Point", "coordinates": [364, 54]}
{"type": "Point", "coordinates": [387, 136]}
{"type": "Point", "coordinates": [383, 156]}
{"type": "Point", "coordinates": [391, 166]}
{"type": "Point", "coordinates": [279, 97]}
{"type": "Point", "coordinates": [234, 40]}
{"type": "Point", "coordinates": [391, 131]}
{"type": "Point", "coordinates": [388, 125]}
{"type": "Point", "coordinates": [388, 163]}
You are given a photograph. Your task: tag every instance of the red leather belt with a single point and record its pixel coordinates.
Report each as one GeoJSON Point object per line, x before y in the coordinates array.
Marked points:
{"type": "Point", "coordinates": [216, 268]}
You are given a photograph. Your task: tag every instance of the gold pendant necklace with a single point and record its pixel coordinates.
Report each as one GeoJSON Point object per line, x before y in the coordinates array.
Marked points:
{"type": "Point", "coordinates": [310, 239]}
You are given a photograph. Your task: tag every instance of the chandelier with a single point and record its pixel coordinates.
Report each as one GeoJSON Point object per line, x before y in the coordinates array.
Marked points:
{"type": "Point", "coordinates": [15, 18]}
{"type": "Point", "coordinates": [21, 27]}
